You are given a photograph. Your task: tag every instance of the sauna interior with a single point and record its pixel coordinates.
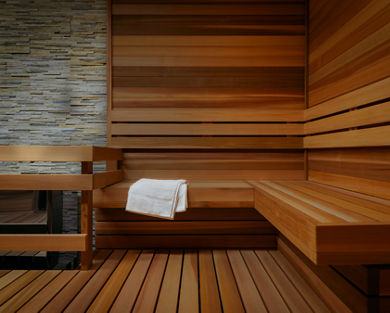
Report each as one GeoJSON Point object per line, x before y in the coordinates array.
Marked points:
{"type": "Point", "coordinates": [276, 113]}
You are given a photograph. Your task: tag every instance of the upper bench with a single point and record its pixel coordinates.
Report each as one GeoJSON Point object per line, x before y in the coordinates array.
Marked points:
{"type": "Point", "coordinates": [329, 225]}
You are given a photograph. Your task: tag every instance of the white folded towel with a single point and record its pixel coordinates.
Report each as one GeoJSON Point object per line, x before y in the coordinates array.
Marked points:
{"type": "Point", "coordinates": [160, 198]}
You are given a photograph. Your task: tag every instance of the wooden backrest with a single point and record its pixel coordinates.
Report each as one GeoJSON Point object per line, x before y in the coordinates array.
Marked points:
{"type": "Point", "coordinates": [348, 120]}
{"type": "Point", "coordinates": [206, 75]}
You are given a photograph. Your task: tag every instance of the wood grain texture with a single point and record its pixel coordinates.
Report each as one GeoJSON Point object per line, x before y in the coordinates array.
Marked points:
{"type": "Point", "coordinates": [336, 227]}
{"type": "Point", "coordinates": [185, 62]}
{"type": "Point", "coordinates": [361, 170]}
{"type": "Point", "coordinates": [351, 53]}
{"type": "Point", "coordinates": [186, 241]}
{"type": "Point", "coordinates": [43, 242]}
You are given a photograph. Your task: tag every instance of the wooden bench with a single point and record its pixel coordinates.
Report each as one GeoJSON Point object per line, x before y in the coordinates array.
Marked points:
{"type": "Point", "coordinates": [328, 224]}
{"type": "Point", "coordinates": [220, 214]}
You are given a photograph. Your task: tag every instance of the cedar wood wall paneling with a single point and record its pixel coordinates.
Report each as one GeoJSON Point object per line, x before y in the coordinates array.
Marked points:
{"type": "Point", "coordinates": [349, 88]}
{"type": "Point", "coordinates": [231, 62]}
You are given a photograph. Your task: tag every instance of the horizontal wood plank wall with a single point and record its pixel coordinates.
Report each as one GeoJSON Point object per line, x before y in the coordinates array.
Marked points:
{"type": "Point", "coordinates": [213, 166]}
{"type": "Point", "coordinates": [198, 227]}
{"type": "Point", "coordinates": [348, 119]}
{"type": "Point", "coordinates": [207, 75]}
{"type": "Point", "coordinates": [204, 91]}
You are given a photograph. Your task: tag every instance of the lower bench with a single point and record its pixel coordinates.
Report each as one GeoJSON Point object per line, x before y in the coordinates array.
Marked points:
{"type": "Point", "coordinates": [221, 214]}
{"type": "Point", "coordinates": [329, 225]}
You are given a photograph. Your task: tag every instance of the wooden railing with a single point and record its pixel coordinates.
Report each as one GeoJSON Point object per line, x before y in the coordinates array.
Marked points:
{"type": "Point", "coordinates": [86, 182]}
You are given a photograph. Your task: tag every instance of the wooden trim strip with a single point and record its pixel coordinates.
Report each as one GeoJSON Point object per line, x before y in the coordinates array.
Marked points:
{"type": "Point", "coordinates": [208, 142]}
{"type": "Point", "coordinates": [369, 137]}
{"type": "Point", "coordinates": [46, 182]}
{"type": "Point", "coordinates": [371, 115]}
{"type": "Point", "coordinates": [374, 92]}
{"type": "Point", "coordinates": [208, 41]}
{"type": "Point", "coordinates": [46, 153]}
{"type": "Point", "coordinates": [206, 115]}
{"type": "Point", "coordinates": [43, 242]}
{"type": "Point", "coordinates": [208, 9]}
{"type": "Point", "coordinates": [206, 129]}
{"type": "Point", "coordinates": [101, 180]}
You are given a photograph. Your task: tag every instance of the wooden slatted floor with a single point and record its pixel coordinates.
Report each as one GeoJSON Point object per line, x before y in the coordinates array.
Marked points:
{"type": "Point", "coordinates": [164, 281]}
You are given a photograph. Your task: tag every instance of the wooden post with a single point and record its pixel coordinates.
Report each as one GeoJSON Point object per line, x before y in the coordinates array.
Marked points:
{"type": "Point", "coordinates": [86, 218]}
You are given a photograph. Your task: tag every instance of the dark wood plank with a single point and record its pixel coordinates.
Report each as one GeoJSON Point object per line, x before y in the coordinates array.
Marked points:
{"type": "Point", "coordinates": [185, 241]}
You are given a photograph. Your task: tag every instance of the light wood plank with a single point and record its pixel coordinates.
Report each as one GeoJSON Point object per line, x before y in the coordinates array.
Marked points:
{"type": "Point", "coordinates": [65, 296]}
{"type": "Point", "coordinates": [208, 142]}
{"type": "Point", "coordinates": [46, 153]}
{"type": "Point", "coordinates": [47, 293]}
{"type": "Point", "coordinates": [315, 282]}
{"type": "Point", "coordinates": [300, 284]}
{"type": "Point", "coordinates": [371, 115]}
{"type": "Point", "coordinates": [43, 242]}
{"type": "Point", "coordinates": [10, 277]}
{"type": "Point", "coordinates": [230, 296]}
{"type": "Point", "coordinates": [29, 291]}
{"type": "Point", "coordinates": [207, 41]}
{"type": "Point", "coordinates": [170, 288]}
{"type": "Point", "coordinates": [101, 180]}
{"type": "Point", "coordinates": [208, 288]}
{"type": "Point", "coordinates": [206, 115]}
{"type": "Point", "coordinates": [206, 129]}
{"type": "Point", "coordinates": [147, 298]}
{"type": "Point", "coordinates": [189, 289]}
{"type": "Point", "coordinates": [288, 291]}
{"type": "Point", "coordinates": [269, 293]}
{"type": "Point", "coordinates": [45, 182]}
{"type": "Point", "coordinates": [374, 91]}
{"type": "Point", "coordinates": [108, 293]}
{"type": "Point", "coordinates": [369, 137]}
{"type": "Point", "coordinates": [17, 285]}
{"type": "Point", "coordinates": [249, 294]}
{"type": "Point", "coordinates": [129, 292]}
{"type": "Point", "coordinates": [371, 187]}
{"type": "Point", "coordinates": [86, 295]}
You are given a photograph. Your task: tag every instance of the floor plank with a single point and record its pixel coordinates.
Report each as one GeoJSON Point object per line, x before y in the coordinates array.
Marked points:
{"type": "Point", "coordinates": [162, 281]}
{"type": "Point", "coordinates": [209, 294]}
{"type": "Point", "coordinates": [48, 292]}
{"type": "Point", "coordinates": [84, 298]}
{"type": "Point", "coordinates": [18, 284]}
{"type": "Point", "coordinates": [169, 293]}
{"type": "Point", "coordinates": [288, 291]}
{"type": "Point", "coordinates": [270, 294]}
{"type": "Point", "coordinates": [15, 302]}
{"type": "Point", "coordinates": [148, 295]}
{"type": "Point", "coordinates": [10, 277]}
{"type": "Point", "coordinates": [230, 296]}
{"type": "Point", "coordinates": [189, 292]}
{"type": "Point", "coordinates": [127, 296]}
{"type": "Point", "coordinates": [310, 296]}
{"type": "Point", "coordinates": [106, 296]}
{"type": "Point", "coordinates": [65, 296]}
{"type": "Point", "coordinates": [249, 293]}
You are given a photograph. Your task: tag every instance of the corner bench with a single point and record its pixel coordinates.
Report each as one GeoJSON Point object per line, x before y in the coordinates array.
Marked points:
{"type": "Point", "coordinates": [328, 224]}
